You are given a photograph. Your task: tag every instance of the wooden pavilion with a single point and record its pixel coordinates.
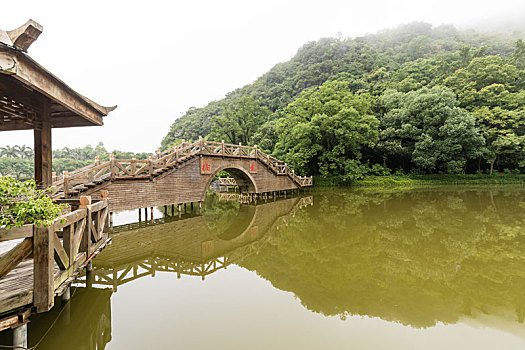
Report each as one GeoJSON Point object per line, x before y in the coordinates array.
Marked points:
{"type": "Point", "coordinates": [31, 97]}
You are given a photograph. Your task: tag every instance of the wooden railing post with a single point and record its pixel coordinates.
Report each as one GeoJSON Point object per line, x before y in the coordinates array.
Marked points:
{"type": "Point", "coordinates": [200, 144]}
{"type": "Point", "coordinates": [222, 147]}
{"type": "Point", "coordinates": [133, 166]}
{"type": "Point", "coordinates": [150, 166]}
{"type": "Point", "coordinates": [53, 176]}
{"type": "Point", "coordinates": [255, 147]}
{"type": "Point", "coordinates": [43, 268]}
{"type": "Point", "coordinates": [65, 176]}
{"type": "Point", "coordinates": [85, 243]}
{"type": "Point", "coordinates": [112, 167]}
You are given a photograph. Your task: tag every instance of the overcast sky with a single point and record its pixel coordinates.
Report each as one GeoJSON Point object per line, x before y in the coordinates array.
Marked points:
{"type": "Point", "coordinates": [155, 59]}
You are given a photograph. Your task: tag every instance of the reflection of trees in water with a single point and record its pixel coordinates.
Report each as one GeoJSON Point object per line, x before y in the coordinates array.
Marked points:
{"type": "Point", "coordinates": [227, 219]}
{"type": "Point", "coordinates": [417, 257]}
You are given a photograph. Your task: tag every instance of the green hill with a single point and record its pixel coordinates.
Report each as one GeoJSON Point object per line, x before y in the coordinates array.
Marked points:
{"type": "Point", "coordinates": [416, 98]}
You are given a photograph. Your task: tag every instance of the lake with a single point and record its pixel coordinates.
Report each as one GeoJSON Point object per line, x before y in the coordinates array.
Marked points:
{"type": "Point", "coordinates": [395, 268]}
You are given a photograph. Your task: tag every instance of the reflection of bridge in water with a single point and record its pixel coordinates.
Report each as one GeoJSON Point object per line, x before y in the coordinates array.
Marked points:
{"type": "Point", "coordinates": [189, 246]}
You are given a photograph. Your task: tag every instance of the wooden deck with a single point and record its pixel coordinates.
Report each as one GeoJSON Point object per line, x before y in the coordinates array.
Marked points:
{"type": "Point", "coordinates": [39, 263]}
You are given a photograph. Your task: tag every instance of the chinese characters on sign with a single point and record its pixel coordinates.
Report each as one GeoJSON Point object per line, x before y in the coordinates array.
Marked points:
{"type": "Point", "coordinates": [253, 167]}
{"type": "Point", "coordinates": [205, 166]}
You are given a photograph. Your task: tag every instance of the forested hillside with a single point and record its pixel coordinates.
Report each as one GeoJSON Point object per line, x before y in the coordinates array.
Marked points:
{"type": "Point", "coordinates": [414, 99]}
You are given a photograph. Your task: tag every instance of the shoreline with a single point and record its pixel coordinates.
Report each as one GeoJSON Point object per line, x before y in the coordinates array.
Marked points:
{"type": "Point", "coordinates": [424, 180]}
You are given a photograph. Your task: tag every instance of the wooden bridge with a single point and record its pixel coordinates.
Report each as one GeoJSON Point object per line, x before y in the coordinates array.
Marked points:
{"type": "Point", "coordinates": [179, 175]}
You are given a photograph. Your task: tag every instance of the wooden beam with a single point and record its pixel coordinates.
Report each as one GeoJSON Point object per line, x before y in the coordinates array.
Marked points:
{"type": "Point", "coordinates": [15, 256]}
{"type": "Point", "coordinates": [16, 233]}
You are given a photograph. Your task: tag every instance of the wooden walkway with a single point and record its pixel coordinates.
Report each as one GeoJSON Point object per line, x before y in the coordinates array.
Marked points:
{"type": "Point", "coordinates": [179, 175]}
{"type": "Point", "coordinates": [43, 261]}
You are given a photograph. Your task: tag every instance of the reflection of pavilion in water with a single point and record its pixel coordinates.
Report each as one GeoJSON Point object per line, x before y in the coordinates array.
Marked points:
{"type": "Point", "coordinates": [189, 246]}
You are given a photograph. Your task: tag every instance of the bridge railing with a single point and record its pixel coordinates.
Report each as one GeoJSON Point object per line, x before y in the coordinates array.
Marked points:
{"type": "Point", "coordinates": [58, 251]}
{"type": "Point", "coordinates": [71, 183]}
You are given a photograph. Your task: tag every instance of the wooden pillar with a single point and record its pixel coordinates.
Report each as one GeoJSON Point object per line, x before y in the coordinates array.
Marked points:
{"type": "Point", "coordinates": [20, 337]}
{"type": "Point", "coordinates": [43, 263]}
{"type": "Point", "coordinates": [42, 149]}
{"type": "Point", "coordinates": [89, 275]}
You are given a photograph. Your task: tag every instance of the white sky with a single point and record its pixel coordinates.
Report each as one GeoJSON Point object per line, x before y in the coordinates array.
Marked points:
{"type": "Point", "coordinates": [155, 59]}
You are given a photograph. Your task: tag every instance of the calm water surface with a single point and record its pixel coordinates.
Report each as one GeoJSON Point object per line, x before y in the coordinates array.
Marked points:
{"type": "Point", "coordinates": [425, 268]}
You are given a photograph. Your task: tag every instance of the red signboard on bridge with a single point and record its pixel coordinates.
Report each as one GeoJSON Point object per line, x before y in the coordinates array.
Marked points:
{"type": "Point", "coordinates": [205, 166]}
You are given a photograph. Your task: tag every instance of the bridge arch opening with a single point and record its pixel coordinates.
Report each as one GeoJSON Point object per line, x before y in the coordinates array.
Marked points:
{"type": "Point", "coordinates": [244, 181]}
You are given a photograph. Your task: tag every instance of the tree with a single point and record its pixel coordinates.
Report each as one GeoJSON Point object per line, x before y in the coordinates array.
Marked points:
{"type": "Point", "coordinates": [240, 121]}
{"type": "Point", "coordinates": [426, 128]}
{"type": "Point", "coordinates": [325, 129]}
{"type": "Point", "coordinates": [490, 88]}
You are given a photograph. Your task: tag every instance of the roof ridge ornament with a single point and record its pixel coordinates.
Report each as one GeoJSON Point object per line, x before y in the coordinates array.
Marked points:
{"type": "Point", "coordinates": [23, 36]}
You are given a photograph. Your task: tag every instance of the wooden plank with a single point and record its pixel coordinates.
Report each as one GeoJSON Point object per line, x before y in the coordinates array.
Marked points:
{"type": "Point", "coordinates": [8, 322]}
{"type": "Point", "coordinates": [68, 219]}
{"type": "Point", "coordinates": [43, 260]}
{"type": "Point", "coordinates": [15, 256]}
{"type": "Point", "coordinates": [60, 254]}
{"type": "Point", "coordinates": [78, 237]}
{"type": "Point", "coordinates": [16, 233]}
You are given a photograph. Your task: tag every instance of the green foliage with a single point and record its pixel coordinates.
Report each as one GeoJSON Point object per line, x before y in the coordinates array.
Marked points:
{"type": "Point", "coordinates": [16, 167]}
{"type": "Point", "coordinates": [21, 203]}
{"type": "Point", "coordinates": [286, 114]}
{"type": "Point", "coordinates": [324, 130]}
{"type": "Point", "coordinates": [239, 121]}
{"type": "Point", "coordinates": [427, 128]}
{"type": "Point", "coordinates": [17, 161]}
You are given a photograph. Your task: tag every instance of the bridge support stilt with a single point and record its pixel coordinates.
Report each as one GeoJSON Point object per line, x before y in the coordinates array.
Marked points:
{"type": "Point", "coordinates": [66, 295]}
{"type": "Point", "coordinates": [200, 206]}
{"type": "Point", "coordinates": [20, 337]}
{"type": "Point", "coordinates": [140, 215]}
{"type": "Point", "coordinates": [151, 212]}
{"type": "Point", "coordinates": [66, 312]}
{"type": "Point", "coordinates": [111, 220]}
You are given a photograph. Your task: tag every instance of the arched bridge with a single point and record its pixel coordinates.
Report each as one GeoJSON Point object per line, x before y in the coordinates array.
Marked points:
{"type": "Point", "coordinates": [181, 174]}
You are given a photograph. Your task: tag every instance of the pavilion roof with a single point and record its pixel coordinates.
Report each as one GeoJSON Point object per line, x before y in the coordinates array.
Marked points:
{"type": "Point", "coordinates": [26, 88]}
